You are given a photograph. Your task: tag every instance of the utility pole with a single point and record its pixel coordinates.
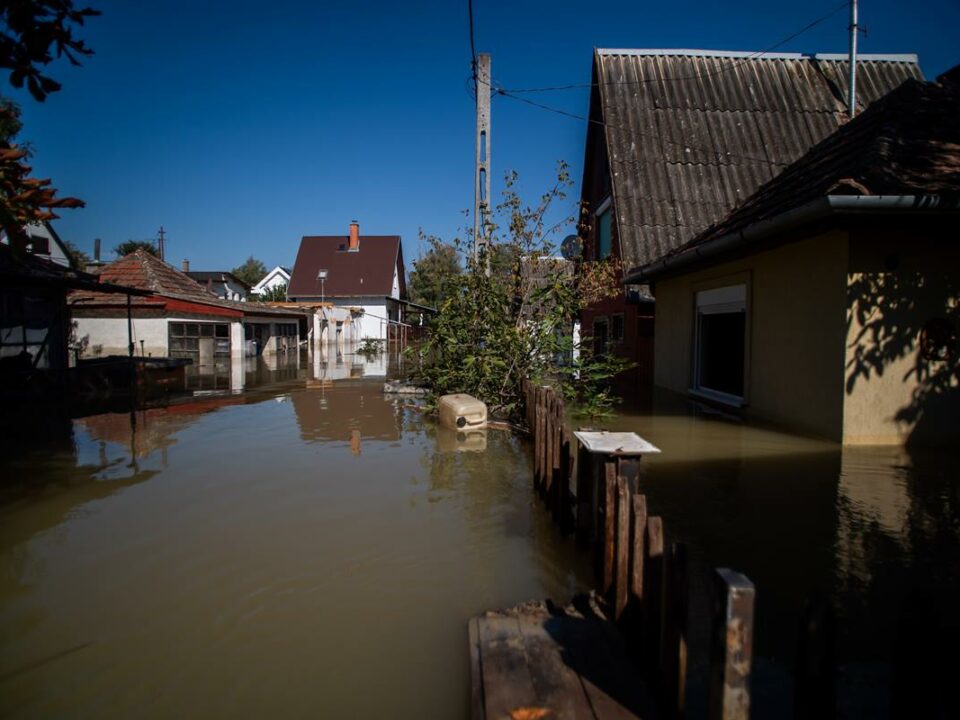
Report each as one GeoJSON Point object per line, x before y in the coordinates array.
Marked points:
{"type": "Point", "coordinates": [160, 243]}
{"type": "Point", "coordinates": [481, 190]}
{"type": "Point", "coordinates": [852, 92]}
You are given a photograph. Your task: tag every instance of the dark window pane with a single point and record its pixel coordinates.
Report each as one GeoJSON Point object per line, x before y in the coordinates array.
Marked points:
{"type": "Point", "coordinates": [604, 234]}
{"type": "Point", "coordinates": [176, 329]}
{"type": "Point", "coordinates": [206, 331]}
{"type": "Point", "coordinates": [223, 331]}
{"type": "Point", "coordinates": [721, 348]}
{"type": "Point", "coordinates": [193, 330]}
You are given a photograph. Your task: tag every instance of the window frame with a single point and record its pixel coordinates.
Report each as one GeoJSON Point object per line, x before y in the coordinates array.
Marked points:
{"type": "Point", "coordinates": [606, 205]}
{"type": "Point", "coordinates": [721, 296]}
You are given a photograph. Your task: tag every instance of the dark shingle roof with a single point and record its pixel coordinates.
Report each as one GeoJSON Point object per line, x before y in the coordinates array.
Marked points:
{"type": "Point", "coordinates": [368, 271]}
{"type": "Point", "coordinates": [692, 133]}
{"type": "Point", "coordinates": [202, 276]}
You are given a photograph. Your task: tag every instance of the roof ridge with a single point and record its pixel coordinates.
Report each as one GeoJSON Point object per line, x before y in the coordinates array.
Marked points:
{"type": "Point", "coordinates": [758, 54]}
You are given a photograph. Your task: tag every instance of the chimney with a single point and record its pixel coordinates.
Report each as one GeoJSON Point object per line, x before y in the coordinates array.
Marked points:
{"type": "Point", "coordinates": [186, 265]}
{"type": "Point", "coordinates": [96, 250]}
{"type": "Point", "coordinates": [354, 243]}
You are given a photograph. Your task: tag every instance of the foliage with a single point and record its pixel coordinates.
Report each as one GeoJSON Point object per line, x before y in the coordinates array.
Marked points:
{"type": "Point", "coordinates": [251, 271]}
{"type": "Point", "coordinates": [32, 31]}
{"type": "Point", "coordinates": [77, 257]}
{"type": "Point", "coordinates": [434, 274]}
{"type": "Point", "coordinates": [277, 293]}
{"type": "Point", "coordinates": [125, 248]}
{"type": "Point", "coordinates": [493, 331]}
{"type": "Point", "coordinates": [370, 347]}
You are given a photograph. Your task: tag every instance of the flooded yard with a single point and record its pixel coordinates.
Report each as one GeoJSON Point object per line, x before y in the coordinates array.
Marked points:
{"type": "Point", "coordinates": [244, 554]}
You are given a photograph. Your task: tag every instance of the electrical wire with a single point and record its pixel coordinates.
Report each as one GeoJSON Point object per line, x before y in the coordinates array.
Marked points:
{"type": "Point", "coordinates": [473, 48]}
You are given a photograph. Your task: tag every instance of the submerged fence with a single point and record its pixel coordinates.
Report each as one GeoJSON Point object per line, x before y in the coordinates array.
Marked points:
{"type": "Point", "coordinates": [643, 576]}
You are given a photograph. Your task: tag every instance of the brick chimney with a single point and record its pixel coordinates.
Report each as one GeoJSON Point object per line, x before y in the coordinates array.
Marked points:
{"type": "Point", "coordinates": [354, 244]}
{"type": "Point", "coordinates": [186, 265]}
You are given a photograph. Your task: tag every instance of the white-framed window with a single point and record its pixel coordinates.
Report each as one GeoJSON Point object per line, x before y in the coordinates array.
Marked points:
{"type": "Point", "coordinates": [720, 347]}
{"type": "Point", "coordinates": [603, 224]}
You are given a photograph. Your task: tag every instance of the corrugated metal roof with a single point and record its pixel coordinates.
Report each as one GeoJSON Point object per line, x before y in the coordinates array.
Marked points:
{"type": "Point", "coordinates": [692, 133]}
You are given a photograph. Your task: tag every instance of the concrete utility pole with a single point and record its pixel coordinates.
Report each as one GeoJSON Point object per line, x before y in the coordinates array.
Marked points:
{"type": "Point", "coordinates": [160, 243]}
{"type": "Point", "coordinates": [481, 193]}
{"type": "Point", "coordinates": [852, 92]}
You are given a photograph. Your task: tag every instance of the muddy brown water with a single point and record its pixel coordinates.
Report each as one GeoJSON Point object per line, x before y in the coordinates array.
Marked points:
{"type": "Point", "coordinates": [242, 555]}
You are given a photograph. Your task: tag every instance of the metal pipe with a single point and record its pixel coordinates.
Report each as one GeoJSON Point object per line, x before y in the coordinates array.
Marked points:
{"type": "Point", "coordinates": [852, 92]}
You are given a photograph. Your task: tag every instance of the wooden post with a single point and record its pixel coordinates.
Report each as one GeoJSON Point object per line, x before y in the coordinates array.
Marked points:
{"type": "Point", "coordinates": [731, 651]}
{"type": "Point", "coordinates": [585, 465]}
{"type": "Point", "coordinates": [638, 532]}
{"type": "Point", "coordinates": [563, 487]}
{"type": "Point", "coordinates": [628, 467]}
{"type": "Point", "coordinates": [652, 593]}
{"type": "Point", "coordinates": [621, 571]}
{"type": "Point", "coordinates": [815, 695]}
{"type": "Point", "coordinates": [548, 470]}
{"type": "Point", "coordinates": [607, 538]}
{"type": "Point", "coordinates": [673, 651]}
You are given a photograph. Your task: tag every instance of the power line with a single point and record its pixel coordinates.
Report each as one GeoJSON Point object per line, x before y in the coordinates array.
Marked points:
{"type": "Point", "coordinates": [728, 68]}
{"type": "Point", "coordinates": [473, 47]}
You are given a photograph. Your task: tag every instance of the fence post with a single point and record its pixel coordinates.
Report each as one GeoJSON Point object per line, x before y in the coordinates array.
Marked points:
{"type": "Point", "coordinates": [638, 533]}
{"type": "Point", "coordinates": [815, 695]}
{"type": "Point", "coordinates": [731, 652]}
{"type": "Point", "coordinates": [621, 570]}
{"type": "Point", "coordinates": [567, 463]}
{"type": "Point", "coordinates": [674, 647]}
{"type": "Point", "coordinates": [607, 538]}
{"type": "Point", "coordinates": [652, 593]}
{"type": "Point", "coordinates": [585, 465]}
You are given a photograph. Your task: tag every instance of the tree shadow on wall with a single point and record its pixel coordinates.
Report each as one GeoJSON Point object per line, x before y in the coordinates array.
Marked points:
{"type": "Point", "coordinates": [913, 317]}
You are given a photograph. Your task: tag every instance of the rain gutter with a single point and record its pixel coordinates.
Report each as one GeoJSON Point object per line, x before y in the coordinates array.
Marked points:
{"type": "Point", "coordinates": [810, 212]}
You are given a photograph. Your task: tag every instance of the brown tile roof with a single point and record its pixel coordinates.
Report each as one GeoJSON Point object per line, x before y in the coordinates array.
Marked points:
{"type": "Point", "coordinates": [907, 143]}
{"type": "Point", "coordinates": [365, 272]}
{"type": "Point", "coordinates": [691, 133]}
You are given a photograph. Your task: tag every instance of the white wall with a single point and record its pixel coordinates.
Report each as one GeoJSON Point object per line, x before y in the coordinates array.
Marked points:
{"type": "Point", "coordinates": [373, 322]}
{"type": "Point", "coordinates": [111, 335]}
{"type": "Point", "coordinates": [273, 278]}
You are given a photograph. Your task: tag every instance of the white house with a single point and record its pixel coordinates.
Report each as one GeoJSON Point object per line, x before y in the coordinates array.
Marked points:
{"type": "Point", "coordinates": [43, 241]}
{"type": "Point", "coordinates": [279, 276]}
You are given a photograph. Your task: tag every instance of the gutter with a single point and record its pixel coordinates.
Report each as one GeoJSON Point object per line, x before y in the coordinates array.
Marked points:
{"type": "Point", "coordinates": [810, 212]}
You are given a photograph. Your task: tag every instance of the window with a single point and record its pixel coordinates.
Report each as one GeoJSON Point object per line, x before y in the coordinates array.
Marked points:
{"type": "Point", "coordinates": [185, 339]}
{"type": "Point", "coordinates": [600, 336]}
{"type": "Point", "coordinates": [720, 348]}
{"type": "Point", "coordinates": [616, 328]}
{"type": "Point", "coordinates": [604, 229]}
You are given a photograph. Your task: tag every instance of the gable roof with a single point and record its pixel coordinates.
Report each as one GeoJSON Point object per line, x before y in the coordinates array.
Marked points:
{"type": "Point", "coordinates": [903, 152]}
{"type": "Point", "coordinates": [691, 133]}
{"type": "Point", "coordinates": [368, 271]}
{"type": "Point", "coordinates": [280, 270]}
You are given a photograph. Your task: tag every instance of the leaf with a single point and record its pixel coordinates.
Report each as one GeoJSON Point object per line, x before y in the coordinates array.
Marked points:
{"type": "Point", "coordinates": [530, 713]}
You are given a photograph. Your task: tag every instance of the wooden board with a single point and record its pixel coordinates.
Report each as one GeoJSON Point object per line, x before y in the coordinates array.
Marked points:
{"type": "Point", "coordinates": [540, 661]}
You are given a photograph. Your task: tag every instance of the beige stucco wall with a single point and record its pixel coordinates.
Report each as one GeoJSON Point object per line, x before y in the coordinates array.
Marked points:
{"type": "Point", "coordinates": [898, 283]}
{"type": "Point", "coordinates": [796, 313]}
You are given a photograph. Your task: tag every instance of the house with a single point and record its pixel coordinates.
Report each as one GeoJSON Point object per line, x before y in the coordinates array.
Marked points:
{"type": "Point", "coordinates": [364, 274]}
{"type": "Point", "coordinates": [278, 277]}
{"type": "Point", "coordinates": [181, 318]}
{"type": "Point", "coordinates": [677, 138]}
{"type": "Point", "coordinates": [43, 242]}
{"type": "Point", "coordinates": [225, 285]}
{"type": "Point", "coordinates": [829, 301]}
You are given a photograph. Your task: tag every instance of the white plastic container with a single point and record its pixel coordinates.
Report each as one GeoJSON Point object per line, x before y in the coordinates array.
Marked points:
{"type": "Point", "coordinates": [462, 412]}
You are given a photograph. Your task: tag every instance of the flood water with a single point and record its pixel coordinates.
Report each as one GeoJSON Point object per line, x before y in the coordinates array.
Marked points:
{"type": "Point", "coordinates": [874, 532]}
{"type": "Point", "coordinates": [246, 554]}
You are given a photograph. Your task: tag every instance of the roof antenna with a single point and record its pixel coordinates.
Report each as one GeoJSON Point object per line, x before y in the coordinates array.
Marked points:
{"type": "Point", "coordinates": [852, 93]}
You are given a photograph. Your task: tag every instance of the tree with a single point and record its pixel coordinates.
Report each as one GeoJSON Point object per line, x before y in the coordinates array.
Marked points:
{"type": "Point", "coordinates": [434, 275]}
{"type": "Point", "coordinates": [77, 257]}
{"type": "Point", "coordinates": [125, 248]}
{"type": "Point", "coordinates": [32, 30]}
{"type": "Point", "coordinates": [278, 293]}
{"type": "Point", "coordinates": [251, 271]}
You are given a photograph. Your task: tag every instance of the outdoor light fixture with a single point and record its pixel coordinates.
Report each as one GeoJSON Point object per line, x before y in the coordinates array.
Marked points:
{"type": "Point", "coordinates": [322, 277]}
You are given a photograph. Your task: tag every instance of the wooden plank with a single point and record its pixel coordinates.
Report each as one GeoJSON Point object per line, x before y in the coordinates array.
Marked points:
{"type": "Point", "coordinates": [608, 539]}
{"type": "Point", "coordinates": [673, 650]}
{"type": "Point", "coordinates": [638, 533]}
{"type": "Point", "coordinates": [622, 532]}
{"type": "Point", "coordinates": [731, 645]}
{"type": "Point", "coordinates": [652, 594]}
{"type": "Point", "coordinates": [507, 685]}
{"type": "Point", "coordinates": [585, 465]}
{"type": "Point", "coordinates": [558, 688]}
{"type": "Point", "coordinates": [477, 711]}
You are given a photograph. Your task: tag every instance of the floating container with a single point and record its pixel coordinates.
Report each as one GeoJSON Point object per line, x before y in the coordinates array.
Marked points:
{"type": "Point", "coordinates": [461, 412]}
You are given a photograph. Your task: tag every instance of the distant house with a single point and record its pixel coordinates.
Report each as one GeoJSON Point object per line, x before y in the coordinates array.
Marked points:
{"type": "Point", "coordinates": [43, 242]}
{"type": "Point", "coordinates": [225, 285]}
{"type": "Point", "coordinates": [678, 138]}
{"type": "Point", "coordinates": [182, 318]}
{"type": "Point", "coordinates": [364, 273]}
{"type": "Point", "coordinates": [279, 276]}
{"type": "Point", "coordinates": [829, 301]}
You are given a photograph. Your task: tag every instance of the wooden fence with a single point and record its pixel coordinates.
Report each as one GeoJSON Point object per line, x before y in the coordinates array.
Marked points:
{"type": "Point", "coordinates": [644, 576]}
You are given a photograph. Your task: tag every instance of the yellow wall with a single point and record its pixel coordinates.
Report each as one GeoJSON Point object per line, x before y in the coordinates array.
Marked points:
{"type": "Point", "coordinates": [898, 283]}
{"type": "Point", "coordinates": [796, 326]}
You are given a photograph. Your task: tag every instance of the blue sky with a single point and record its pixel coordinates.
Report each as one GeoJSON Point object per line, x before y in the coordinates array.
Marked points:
{"type": "Point", "coordinates": [241, 126]}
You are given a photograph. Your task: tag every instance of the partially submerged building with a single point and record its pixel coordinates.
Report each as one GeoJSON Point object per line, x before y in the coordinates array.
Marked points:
{"type": "Point", "coordinates": [180, 318]}
{"type": "Point", "coordinates": [678, 138]}
{"type": "Point", "coordinates": [362, 275]}
{"type": "Point", "coordinates": [829, 301]}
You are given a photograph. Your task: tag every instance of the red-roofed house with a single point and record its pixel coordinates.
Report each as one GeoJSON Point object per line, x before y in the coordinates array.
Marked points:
{"type": "Point", "coordinates": [180, 319]}
{"type": "Point", "coordinates": [363, 273]}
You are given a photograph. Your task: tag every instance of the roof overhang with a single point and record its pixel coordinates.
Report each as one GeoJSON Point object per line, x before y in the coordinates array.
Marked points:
{"type": "Point", "coordinates": [815, 210]}
{"type": "Point", "coordinates": [755, 55]}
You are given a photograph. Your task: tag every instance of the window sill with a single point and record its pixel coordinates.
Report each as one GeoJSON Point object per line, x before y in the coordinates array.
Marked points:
{"type": "Point", "coordinates": [718, 397]}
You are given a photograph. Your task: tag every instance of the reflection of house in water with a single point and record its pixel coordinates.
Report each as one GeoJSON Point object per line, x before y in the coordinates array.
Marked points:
{"type": "Point", "coordinates": [331, 410]}
{"type": "Point", "coordinates": [329, 365]}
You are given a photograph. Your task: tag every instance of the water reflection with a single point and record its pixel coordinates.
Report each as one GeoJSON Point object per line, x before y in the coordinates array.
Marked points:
{"type": "Point", "coordinates": [872, 529]}
{"type": "Point", "coordinates": [232, 555]}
